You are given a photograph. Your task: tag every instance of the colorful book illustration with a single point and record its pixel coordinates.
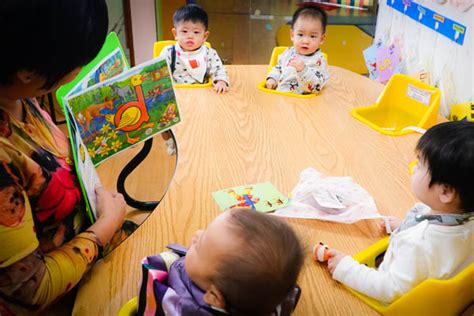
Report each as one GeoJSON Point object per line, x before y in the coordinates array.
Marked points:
{"type": "Point", "coordinates": [370, 56]}
{"type": "Point", "coordinates": [388, 60]}
{"type": "Point", "coordinates": [125, 110]}
{"type": "Point", "coordinates": [261, 197]}
{"type": "Point", "coordinates": [110, 107]}
{"type": "Point", "coordinates": [111, 66]}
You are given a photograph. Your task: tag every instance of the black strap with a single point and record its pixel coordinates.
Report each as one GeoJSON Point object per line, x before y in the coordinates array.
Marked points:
{"type": "Point", "coordinates": [173, 59]}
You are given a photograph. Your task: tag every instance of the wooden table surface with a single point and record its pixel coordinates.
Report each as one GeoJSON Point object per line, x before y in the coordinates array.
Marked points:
{"type": "Point", "coordinates": [248, 136]}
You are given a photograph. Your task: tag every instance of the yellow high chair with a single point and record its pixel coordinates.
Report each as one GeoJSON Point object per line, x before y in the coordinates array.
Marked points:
{"type": "Point", "coordinates": [158, 47]}
{"type": "Point", "coordinates": [273, 61]}
{"type": "Point", "coordinates": [462, 111]}
{"type": "Point", "coordinates": [430, 297]}
{"type": "Point", "coordinates": [406, 105]}
{"type": "Point", "coordinates": [130, 308]}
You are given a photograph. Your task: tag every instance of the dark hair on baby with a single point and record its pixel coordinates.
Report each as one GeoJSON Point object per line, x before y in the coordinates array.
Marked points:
{"type": "Point", "coordinates": [448, 150]}
{"type": "Point", "coordinates": [49, 37]}
{"type": "Point", "coordinates": [191, 12]}
{"type": "Point", "coordinates": [312, 11]}
{"type": "Point", "coordinates": [257, 279]}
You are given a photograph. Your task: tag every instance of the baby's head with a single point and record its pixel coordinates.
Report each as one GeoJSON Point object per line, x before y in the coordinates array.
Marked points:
{"type": "Point", "coordinates": [445, 171]}
{"type": "Point", "coordinates": [245, 261]}
{"type": "Point", "coordinates": [190, 27]}
{"type": "Point", "coordinates": [45, 43]}
{"type": "Point", "coordinates": [308, 29]}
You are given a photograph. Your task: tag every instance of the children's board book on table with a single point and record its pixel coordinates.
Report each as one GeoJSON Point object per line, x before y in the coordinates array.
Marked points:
{"type": "Point", "coordinates": [110, 107]}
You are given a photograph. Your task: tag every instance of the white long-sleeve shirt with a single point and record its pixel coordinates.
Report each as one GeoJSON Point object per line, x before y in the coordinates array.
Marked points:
{"type": "Point", "coordinates": [414, 254]}
{"type": "Point", "coordinates": [311, 79]}
{"type": "Point", "coordinates": [197, 66]}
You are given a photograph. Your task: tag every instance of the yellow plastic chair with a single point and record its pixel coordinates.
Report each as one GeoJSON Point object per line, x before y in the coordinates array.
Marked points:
{"type": "Point", "coordinates": [273, 61]}
{"type": "Point", "coordinates": [462, 111]}
{"type": "Point", "coordinates": [344, 43]}
{"type": "Point", "coordinates": [430, 297]}
{"type": "Point", "coordinates": [130, 308]}
{"type": "Point", "coordinates": [406, 105]}
{"type": "Point", "coordinates": [158, 47]}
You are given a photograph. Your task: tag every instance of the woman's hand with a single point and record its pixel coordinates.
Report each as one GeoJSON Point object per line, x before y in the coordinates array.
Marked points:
{"type": "Point", "coordinates": [111, 212]}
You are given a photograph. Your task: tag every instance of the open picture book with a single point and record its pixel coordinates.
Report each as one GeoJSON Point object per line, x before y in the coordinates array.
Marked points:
{"type": "Point", "coordinates": [110, 107]}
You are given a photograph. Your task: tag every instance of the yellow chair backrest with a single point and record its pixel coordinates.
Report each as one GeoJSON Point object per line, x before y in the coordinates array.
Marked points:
{"type": "Point", "coordinates": [158, 47]}
{"type": "Point", "coordinates": [462, 111]}
{"type": "Point", "coordinates": [430, 297]}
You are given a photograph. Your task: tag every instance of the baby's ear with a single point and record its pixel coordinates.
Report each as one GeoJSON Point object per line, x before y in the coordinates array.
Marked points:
{"type": "Point", "coordinates": [206, 35]}
{"type": "Point", "coordinates": [214, 297]}
{"type": "Point", "coordinates": [173, 30]}
{"type": "Point", "coordinates": [447, 194]}
{"type": "Point", "coordinates": [323, 37]}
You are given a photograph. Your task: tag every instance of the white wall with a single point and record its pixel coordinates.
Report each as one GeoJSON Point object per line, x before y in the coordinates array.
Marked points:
{"type": "Point", "coordinates": [143, 29]}
{"type": "Point", "coordinates": [450, 65]}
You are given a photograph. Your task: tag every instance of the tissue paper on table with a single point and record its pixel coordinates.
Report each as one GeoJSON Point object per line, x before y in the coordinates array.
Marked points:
{"type": "Point", "coordinates": [336, 199]}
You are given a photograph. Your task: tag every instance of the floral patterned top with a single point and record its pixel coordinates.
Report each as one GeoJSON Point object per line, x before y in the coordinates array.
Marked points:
{"type": "Point", "coordinates": [42, 255]}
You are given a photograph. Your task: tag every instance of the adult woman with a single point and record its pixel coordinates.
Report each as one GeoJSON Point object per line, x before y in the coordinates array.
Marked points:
{"type": "Point", "coordinates": [44, 247]}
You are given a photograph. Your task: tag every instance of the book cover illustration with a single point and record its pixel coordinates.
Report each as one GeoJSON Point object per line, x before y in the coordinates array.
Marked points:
{"type": "Point", "coordinates": [111, 66]}
{"type": "Point", "coordinates": [261, 197]}
{"type": "Point", "coordinates": [125, 110]}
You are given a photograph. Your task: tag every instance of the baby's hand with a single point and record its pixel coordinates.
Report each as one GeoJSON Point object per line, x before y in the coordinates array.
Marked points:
{"type": "Point", "coordinates": [297, 63]}
{"type": "Point", "coordinates": [334, 257]}
{"type": "Point", "coordinates": [391, 221]}
{"type": "Point", "coordinates": [271, 84]}
{"type": "Point", "coordinates": [221, 87]}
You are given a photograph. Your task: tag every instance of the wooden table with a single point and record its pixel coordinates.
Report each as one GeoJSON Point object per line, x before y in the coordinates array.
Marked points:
{"type": "Point", "coordinates": [248, 136]}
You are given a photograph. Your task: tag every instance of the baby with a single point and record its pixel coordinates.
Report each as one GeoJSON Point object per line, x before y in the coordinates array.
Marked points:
{"type": "Point", "coordinates": [435, 238]}
{"type": "Point", "coordinates": [189, 59]}
{"type": "Point", "coordinates": [244, 263]}
{"type": "Point", "coordinates": [302, 69]}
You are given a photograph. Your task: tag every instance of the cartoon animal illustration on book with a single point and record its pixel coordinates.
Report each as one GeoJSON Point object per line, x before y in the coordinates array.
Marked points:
{"type": "Point", "coordinates": [86, 117]}
{"type": "Point", "coordinates": [132, 115]}
{"type": "Point", "coordinates": [123, 93]}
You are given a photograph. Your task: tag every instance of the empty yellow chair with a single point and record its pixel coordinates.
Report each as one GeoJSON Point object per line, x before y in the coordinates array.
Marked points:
{"type": "Point", "coordinates": [430, 297]}
{"type": "Point", "coordinates": [273, 61]}
{"type": "Point", "coordinates": [405, 105]}
{"type": "Point", "coordinates": [158, 47]}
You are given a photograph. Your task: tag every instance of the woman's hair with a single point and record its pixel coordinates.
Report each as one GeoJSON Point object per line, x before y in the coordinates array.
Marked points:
{"type": "Point", "coordinates": [49, 37]}
{"type": "Point", "coordinates": [448, 150]}
{"type": "Point", "coordinates": [191, 12]}
{"type": "Point", "coordinates": [313, 11]}
{"type": "Point", "coordinates": [259, 276]}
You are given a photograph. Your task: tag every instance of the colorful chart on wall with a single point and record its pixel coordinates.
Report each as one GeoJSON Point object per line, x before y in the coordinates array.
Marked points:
{"type": "Point", "coordinates": [443, 25]}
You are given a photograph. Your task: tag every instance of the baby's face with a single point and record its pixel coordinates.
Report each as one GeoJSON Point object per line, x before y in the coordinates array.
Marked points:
{"type": "Point", "coordinates": [207, 249]}
{"type": "Point", "coordinates": [307, 35]}
{"type": "Point", "coordinates": [190, 35]}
